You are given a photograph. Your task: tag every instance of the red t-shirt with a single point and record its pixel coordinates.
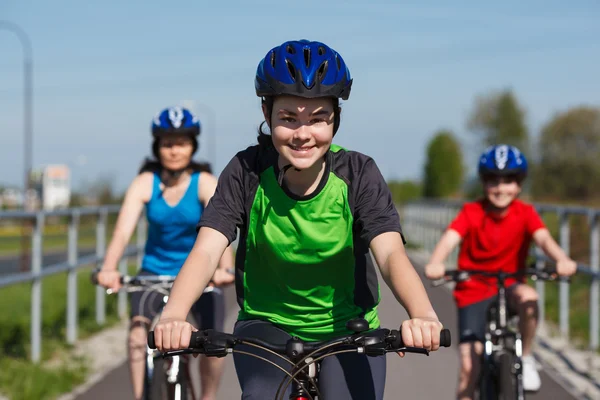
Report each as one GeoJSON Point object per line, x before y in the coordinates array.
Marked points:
{"type": "Point", "coordinates": [492, 242]}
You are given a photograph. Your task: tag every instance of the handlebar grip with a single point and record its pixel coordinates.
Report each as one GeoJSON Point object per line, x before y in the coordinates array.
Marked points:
{"type": "Point", "coordinates": [445, 338]}
{"type": "Point", "coordinates": [195, 341]}
{"type": "Point", "coordinates": [94, 277]}
{"type": "Point", "coordinates": [151, 343]}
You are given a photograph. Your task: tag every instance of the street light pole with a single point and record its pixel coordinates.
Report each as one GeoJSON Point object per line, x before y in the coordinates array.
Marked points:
{"type": "Point", "coordinates": [27, 125]}
{"type": "Point", "coordinates": [27, 99]}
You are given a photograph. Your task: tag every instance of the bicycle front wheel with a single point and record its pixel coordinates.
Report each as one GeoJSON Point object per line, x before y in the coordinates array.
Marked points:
{"type": "Point", "coordinates": [507, 377]}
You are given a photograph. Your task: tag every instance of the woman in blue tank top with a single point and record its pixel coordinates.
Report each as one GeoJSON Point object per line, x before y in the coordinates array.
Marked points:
{"type": "Point", "coordinates": [174, 191]}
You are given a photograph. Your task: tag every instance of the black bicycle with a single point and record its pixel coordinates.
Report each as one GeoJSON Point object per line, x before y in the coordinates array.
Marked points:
{"type": "Point", "coordinates": [303, 357]}
{"type": "Point", "coordinates": [502, 368]}
{"type": "Point", "coordinates": [174, 381]}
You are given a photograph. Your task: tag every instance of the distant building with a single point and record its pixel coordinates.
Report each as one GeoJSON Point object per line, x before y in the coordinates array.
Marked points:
{"type": "Point", "coordinates": [52, 184]}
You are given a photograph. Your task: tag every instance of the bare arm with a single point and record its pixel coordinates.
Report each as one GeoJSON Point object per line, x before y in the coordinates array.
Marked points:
{"type": "Point", "coordinates": [198, 269]}
{"type": "Point", "coordinates": [544, 240]}
{"type": "Point", "coordinates": [401, 277]}
{"type": "Point", "coordinates": [435, 268]}
{"type": "Point", "coordinates": [423, 329]}
{"type": "Point", "coordinates": [206, 191]}
{"type": "Point", "coordinates": [448, 242]}
{"type": "Point", "coordinates": [132, 207]}
{"type": "Point", "coordinates": [564, 264]}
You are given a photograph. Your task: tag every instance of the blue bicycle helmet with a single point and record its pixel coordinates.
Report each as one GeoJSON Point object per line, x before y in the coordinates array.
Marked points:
{"type": "Point", "coordinates": [303, 68]}
{"type": "Point", "coordinates": [503, 160]}
{"type": "Point", "coordinates": [175, 120]}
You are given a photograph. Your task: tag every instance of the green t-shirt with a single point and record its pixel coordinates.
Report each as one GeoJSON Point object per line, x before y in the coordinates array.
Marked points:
{"type": "Point", "coordinates": [303, 262]}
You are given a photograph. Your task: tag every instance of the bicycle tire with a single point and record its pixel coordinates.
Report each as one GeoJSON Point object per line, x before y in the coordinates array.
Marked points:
{"type": "Point", "coordinates": [487, 382]}
{"type": "Point", "coordinates": [507, 379]}
{"type": "Point", "coordinates": [152, 387]}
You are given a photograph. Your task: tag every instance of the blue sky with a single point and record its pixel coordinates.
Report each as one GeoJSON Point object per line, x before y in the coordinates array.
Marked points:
{"type": "Point", "coordinates": [103, 69]}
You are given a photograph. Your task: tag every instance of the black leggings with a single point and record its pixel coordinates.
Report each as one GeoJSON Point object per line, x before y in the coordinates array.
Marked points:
{"type": "Point", "coordinates": [349, 376]}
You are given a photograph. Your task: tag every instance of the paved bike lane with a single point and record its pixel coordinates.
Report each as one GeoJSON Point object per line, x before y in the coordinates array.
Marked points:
{"type": "Point", "coordinates": [412, 377]}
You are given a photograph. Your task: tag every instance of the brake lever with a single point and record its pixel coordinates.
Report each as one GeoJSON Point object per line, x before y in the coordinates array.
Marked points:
{"type": "Point", "coordinates": [417, 350]}
{"type": "Point", "coordinates": [173, 353]}
{"type": "Point", "coordinates": [439, 282]}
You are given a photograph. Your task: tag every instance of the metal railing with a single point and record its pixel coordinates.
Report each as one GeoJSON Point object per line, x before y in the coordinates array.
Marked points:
{"type": "Point", "coordinates": [424, 222]}
{"type": "Point", "coordinates": [38, 272]}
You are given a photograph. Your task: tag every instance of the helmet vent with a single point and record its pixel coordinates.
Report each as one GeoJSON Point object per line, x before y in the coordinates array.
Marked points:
{"type": "Point", "coordinates": [306, 56]}
{"type": "Point", "coordinates": [322, 71]}
{"type": "Point", "coordinates": [273, 59]}
{"type": "Point", "coordinates": [321, 50]}
{"type": "Point", "coordinates": [290, 49]}
{"type": "Point", "coordinates": [291, 69]}
{"type": "Point", "coordinates": [339, 64]}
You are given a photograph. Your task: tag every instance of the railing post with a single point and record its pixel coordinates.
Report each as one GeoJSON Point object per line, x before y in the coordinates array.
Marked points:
{"type": "Point", "coordinates": [564, 286]}
{"type": "Point", "coordinates": [72, 277]}
{"type": "Point", "coordinates": [100, 250]}
{"type": "Point", "coordinates": [594, 289]}
{"type": "Point", "coordinates": [540, 287]}
{"type": "Point", "coordinates": [36, 288]}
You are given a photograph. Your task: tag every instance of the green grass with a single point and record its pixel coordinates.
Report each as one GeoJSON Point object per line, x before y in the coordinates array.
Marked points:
{"type": "Point", "coordinates": [579, 306]}
{"type": "Point", "coordinates": [20, 379]}
{"type": "Point", "coordinates": [57, 240]}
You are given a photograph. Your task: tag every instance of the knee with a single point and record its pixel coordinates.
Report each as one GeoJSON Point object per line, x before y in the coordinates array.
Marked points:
{"type": "Point", "coordinates": [527, 294]}
{"type": "Point", "coordinates": [527, 300]}
{"type": "Point", "coordinates": [138, 335]}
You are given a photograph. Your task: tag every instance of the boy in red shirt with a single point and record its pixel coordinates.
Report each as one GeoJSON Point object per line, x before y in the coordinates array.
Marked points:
{"type": "Point", "coordinates": [496, 233]}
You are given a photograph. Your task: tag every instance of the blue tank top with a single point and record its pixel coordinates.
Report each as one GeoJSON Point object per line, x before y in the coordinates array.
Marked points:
{"type": "Point", "coordinates": [171, 230]}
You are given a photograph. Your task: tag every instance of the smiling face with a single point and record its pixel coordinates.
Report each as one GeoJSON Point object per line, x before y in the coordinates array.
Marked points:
{"type": "Point", "coordinates": [302, 129]}
{"type": "Point", "coordinates": [500, 191]}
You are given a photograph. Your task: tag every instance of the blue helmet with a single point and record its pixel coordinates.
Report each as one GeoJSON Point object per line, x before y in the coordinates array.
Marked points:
{"type": "Point", "coordinates": [175, 120]}
{"type": "Point", "coordinates": [503, 160]}
{"type": "Point", "coordinates": [303, 68]}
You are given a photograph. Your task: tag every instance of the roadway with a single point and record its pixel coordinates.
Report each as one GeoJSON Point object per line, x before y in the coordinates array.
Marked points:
{"type": "Point", "coordinates": [413, 377]}
{"type": "Point", "coordinates": [11, 264]}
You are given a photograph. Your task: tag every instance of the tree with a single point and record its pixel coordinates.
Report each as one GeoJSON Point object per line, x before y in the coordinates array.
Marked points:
{"type": "Point", "coordinates": [569, 156]}
{"type": "Point", "coordinates": [498, 118]}
{"type": "Point", "coordinates": [404, 191]}
{"type": "Point", "coordinates": [444, 168]}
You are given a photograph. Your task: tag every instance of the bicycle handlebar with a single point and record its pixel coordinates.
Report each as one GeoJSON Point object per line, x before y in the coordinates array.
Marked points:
{"type": "Point", "coordinates": [373, 343]}
{"type": "Point", "coordinates": [144, 280]}
{"type": "Point", "coordinates": [547, 274]}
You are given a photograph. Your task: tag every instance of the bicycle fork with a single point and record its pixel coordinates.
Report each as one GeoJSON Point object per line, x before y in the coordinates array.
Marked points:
{"type": "Point", "coordinates": [490, 364]}
{"type": "Point", "coordinates": [299, 391]}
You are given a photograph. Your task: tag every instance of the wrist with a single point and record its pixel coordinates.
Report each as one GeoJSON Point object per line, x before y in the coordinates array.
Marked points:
{"type": "Point", "coordinates": [430, 314]}
{"type": "Point", "coordinates": [168, 314]}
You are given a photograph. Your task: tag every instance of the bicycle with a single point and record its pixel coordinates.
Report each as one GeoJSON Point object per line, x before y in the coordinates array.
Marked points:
{"type": "Point", "coordinates": [176, 384]}
{"type": "Point", "coordinates": [502, 368]}
{"type": "Point", "coordinates": [303, 355]}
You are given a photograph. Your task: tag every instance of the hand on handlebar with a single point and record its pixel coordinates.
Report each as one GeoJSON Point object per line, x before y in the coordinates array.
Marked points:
{"type": "Point", "coordinates": [422, 333]}
{"type": "Point", "coordinates": [173, 334]}
{"type": "Point", "coordinates": [435, 270]}
{"type": "Point", "coordinates": [566, 267]}
{"type": "Point", "coordinates": [110, 279]}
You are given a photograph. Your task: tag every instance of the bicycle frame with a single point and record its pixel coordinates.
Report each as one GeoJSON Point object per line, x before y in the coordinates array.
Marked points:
{"type": "Point", "coordinates": [503, 347]}
{"type": "Point", "coordinates": [501, 338]}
